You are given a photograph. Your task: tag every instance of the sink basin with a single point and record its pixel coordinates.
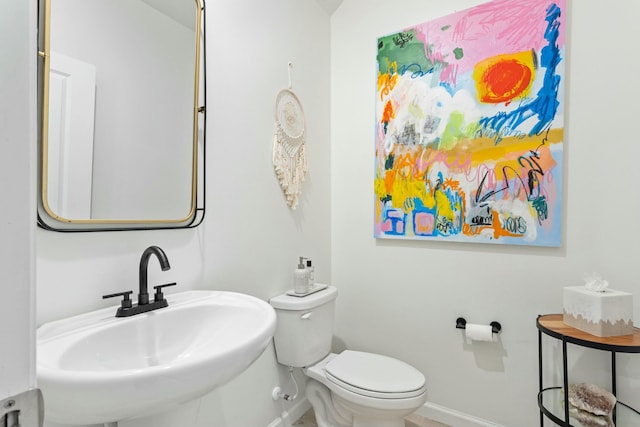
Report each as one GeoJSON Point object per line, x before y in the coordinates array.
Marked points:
{"type": "Point", "coordinates": [95, 368]}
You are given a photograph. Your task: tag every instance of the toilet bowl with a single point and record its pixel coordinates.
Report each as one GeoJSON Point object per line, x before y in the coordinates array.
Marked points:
{"type": "Point", "coordinates": [366, 389]}
{"type": "Point", "coordinates": [350, 389]}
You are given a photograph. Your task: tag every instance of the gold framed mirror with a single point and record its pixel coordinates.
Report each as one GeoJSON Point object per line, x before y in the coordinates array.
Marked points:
{"type": "Point", "coordinates": [121, 88]}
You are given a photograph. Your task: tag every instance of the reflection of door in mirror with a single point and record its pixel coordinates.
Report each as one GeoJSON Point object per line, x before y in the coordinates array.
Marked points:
{"type": "Point", "coordinates": [144, 61]}
{"type": "Point", "coordinates": [70, 151]}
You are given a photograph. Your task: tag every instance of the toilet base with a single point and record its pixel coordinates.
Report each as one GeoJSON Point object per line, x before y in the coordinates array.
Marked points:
{"type": "Point", "coordinates": [327, 413]}
{"type": "Point", "coordinates": [367, 417]}
{"type": "Point", "coordinates": [333, 411]}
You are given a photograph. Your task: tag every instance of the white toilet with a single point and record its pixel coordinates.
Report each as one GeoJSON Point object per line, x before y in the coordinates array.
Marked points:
{"type": "Point", "coordinates": [350, 389]}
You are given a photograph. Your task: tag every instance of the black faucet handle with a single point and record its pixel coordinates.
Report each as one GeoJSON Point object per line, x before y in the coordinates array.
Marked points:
{"type": "Point", "coordinates": [126, 300]}
{"type": "Point", "coordinates": [159, 296]}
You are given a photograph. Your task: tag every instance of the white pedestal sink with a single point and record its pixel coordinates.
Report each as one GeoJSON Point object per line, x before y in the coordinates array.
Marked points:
{"type": "Point", "coordinates": [98, 369]}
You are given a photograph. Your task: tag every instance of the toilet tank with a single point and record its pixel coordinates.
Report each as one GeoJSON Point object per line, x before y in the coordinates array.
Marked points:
{"type": "Point", "coordinates": [304, 327]}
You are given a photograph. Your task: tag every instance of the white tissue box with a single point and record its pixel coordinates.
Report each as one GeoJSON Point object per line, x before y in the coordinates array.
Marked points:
{"type": "Point", "coordinates": [604, 314]}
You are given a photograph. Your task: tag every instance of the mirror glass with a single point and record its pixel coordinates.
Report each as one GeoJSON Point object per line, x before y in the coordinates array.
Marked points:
{"type": "Point", "coordinates": [120, 123]}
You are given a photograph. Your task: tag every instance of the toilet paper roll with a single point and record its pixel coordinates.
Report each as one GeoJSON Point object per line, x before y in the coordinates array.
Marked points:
{"type": "Point", "coordinates": [479, 332]}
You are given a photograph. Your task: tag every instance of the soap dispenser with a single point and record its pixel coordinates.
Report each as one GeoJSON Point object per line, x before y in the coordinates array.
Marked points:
{"type": "Point", "coordinates": [301, 278]}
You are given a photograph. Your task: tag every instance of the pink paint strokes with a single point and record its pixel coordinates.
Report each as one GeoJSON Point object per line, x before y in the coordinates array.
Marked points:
{"type": "Point", "coordinates": [502, 26]}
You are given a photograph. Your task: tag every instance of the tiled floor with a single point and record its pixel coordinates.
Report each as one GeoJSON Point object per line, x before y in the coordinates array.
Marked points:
{"type": "Point", "coordinates": [414, 420]}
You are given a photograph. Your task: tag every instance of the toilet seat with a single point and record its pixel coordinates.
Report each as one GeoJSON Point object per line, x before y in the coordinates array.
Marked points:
{"type": "Point", "coordinates": [374, 375]}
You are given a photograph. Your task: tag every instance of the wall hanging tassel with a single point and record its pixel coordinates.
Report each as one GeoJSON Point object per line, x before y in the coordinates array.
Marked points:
{"type": "Point", "coordinates": [289, 159]}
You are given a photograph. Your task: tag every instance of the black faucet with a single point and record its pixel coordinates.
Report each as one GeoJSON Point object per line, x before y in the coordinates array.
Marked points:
{"type": "Point", "coordinates": [143, 295]}
{"type": "Point", "coordinates": [126, 307]}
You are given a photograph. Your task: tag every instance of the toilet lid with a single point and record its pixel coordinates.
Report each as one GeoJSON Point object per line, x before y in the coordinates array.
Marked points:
{"type": "Point", "coordinates": [375, 375]}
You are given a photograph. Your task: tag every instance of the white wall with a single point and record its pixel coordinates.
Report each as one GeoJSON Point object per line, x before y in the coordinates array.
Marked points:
{"type": "Point", "coordinates": [402, 298]}
{"type": "Point", "coordinates": [253, 238]}
{"type": "Point", "coordinates": [17, 191]}
{"type": "Point", "coordinates": [250, 240]}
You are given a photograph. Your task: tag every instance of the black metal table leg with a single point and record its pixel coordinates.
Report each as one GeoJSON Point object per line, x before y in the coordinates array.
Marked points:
{"type": "Point", "coordinates": [613, 382]}
{"type": "Point", "coordinates": [565, 381]}
{"type": "Point", "coordinates": [540, 373]}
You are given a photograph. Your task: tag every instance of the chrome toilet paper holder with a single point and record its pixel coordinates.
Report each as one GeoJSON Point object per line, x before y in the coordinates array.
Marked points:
{"type": "Point", "coordinates": [461, 323]}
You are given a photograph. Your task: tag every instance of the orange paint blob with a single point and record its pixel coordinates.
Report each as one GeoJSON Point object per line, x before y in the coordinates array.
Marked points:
{"type": "Point", "coordinates": [389, 112]}
{"type": "Point", "coordinates": [503, 78]}
{"type": "Point", "coordinates": [389, 180]}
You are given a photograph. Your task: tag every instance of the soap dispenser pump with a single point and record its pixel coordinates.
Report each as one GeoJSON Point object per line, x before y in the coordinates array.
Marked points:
{"type": "Point", "coordinates": [301, 278]}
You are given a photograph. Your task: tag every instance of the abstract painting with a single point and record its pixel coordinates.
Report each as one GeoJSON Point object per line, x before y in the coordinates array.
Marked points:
{"type": "Point", "coordinates": [469, 126]}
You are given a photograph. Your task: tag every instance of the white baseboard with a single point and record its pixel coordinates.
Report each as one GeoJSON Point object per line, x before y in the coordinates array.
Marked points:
{"type": "Point", "coordinates": [452, 417]}
{"type": "Point", "coordinates": [289, 417]}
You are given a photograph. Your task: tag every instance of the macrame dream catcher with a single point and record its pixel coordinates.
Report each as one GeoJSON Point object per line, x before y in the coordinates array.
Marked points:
{"type": "Point", "coordinates": [289, 160]}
